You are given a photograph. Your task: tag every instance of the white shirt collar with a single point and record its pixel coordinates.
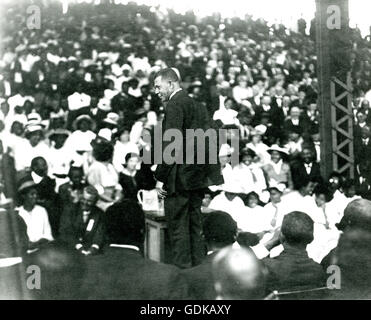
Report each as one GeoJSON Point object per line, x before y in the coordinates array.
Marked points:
{"type": "Point", "coordinates": [177, 90]}
{"type": "Point", "coordinates": [277, 166]}
{"type": "Point", "coordinates": [35, 177]}
{"type": "Point", "coordinates": [266, 108]}
{"type": "Point", "coordinates": [295, 122]}
{"type": "Point", "coordinates": [362, 124]}
{"type": "Point", "coordinates": [8, 262]}
{"type": "Point", "coordinates": [128, 173]}
{"type": "Point", "coordinates": [125, 246]}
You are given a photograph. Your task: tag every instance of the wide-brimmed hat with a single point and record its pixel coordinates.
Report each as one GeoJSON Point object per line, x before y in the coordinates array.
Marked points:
{"type": "Point", "coordinates": [260, 129]}
{"type": "Point", "coordinates": [104, 104]}
{"type": "Point", "coordinates": [275, 147]}
{"type": "Point", "coordinates": [84, 117]}
{"type": "Point", "coordinates": [26, 185]}
{"type": "Point", "coordinates": [60, 132]}
{"type": "Point", "coordinates": [105, 133]}
{"type": "Point", "coordinates": [33, 127]}
{"type": "Point", "coordinates": [112, 118]}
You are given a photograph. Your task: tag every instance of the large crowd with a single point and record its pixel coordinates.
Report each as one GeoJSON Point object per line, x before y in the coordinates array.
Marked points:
{"type": "Point", "coordinates": [77, 98]}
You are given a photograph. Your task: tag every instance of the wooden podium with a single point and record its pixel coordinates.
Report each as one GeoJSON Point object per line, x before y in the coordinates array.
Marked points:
{"type": "Point", "coordinates": [156, 244]}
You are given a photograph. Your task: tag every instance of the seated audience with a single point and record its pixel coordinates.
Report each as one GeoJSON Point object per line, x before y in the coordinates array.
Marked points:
{"type": "Point", "coordinates": [238, 275]}
{"type": "Point", "coordinates": [132, 277]}
{"type": "Point", "coordinates": [220, 231]}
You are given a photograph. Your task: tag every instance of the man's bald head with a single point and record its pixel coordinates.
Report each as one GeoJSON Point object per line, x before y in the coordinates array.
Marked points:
{"type": "Point", "coordinates": [357, 214]}
{"type": "Point", "coordinates": [238, 275]}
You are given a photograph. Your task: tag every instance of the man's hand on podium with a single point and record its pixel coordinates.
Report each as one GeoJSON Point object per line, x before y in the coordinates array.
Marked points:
{"type": "Point", "coordinates": [160, 190]}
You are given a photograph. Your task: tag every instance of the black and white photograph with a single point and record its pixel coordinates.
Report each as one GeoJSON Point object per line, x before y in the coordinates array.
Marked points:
{"type": "Point", "coordinates": [197, 152]}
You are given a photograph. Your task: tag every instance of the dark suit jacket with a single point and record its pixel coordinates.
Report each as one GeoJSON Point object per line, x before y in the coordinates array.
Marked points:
{"type": "Point", "coordinates": [73, 230]}
{"type": "Point", "coordinates": [200, 280]}
{"type": "Point", "coordinates": [362, 153]}
{"type": "Point", "coordinates": [275, 116]}
{"type": "Point", "coordinates": [288, 125]}
{"type": "Point", "coordinates": [294, 270]}
{"type": "Point", "coordinates": [123, 274]}
{"type": "Point", "coordinates": [298, 172]}
{"type": "Point", "coordinates": [182, 113]}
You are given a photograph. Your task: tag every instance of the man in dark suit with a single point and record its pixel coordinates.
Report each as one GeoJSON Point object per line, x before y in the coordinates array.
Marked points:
{"type": "Point", "coordinates": [220, 230]}
{"type": "Point", "coordinates": [182, 179]}
{"type": "Point", "coordinates": [305, 168]}
{"type": "Point", "coordinates": [82, 224]}
{"type": "Point", "coordinates": [274, 112]}
{"type": "Point", "coordinates": [362, 146]}
{"type": "Point", "coordinates": [122, 272]}
{"type": "Point", "coordinates": [293, 269]}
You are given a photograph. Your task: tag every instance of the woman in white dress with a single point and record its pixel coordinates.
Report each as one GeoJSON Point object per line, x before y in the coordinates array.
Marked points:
{"type": "Point", "coordinates": [35, 217]}
{"type": "Point", "coordinates": [123, 146]}
{"type": "Point", "coordinates": [103, 176]}
{"type": "Point", "coordinates": [248, 176]}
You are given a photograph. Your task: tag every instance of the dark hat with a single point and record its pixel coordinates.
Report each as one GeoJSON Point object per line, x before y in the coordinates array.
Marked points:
{"type": "Point", "coordinates": [56, 132]}
{"type": "Point", "coordinates": [76, 122]}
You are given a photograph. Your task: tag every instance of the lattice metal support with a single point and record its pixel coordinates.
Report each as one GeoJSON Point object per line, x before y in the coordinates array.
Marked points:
{"type": "Point", "coordinates": [335, 87]}
{"type": "Point", "coordinates": [342, 126]}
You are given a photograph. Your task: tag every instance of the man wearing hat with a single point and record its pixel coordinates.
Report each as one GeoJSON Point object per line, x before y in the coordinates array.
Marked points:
{"type": "Point", "coordinates": [257, 144]}
{"type": "Point", "coordinates": [34, 215]}
{"type": "Point", "coordinates": [33, 146]}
